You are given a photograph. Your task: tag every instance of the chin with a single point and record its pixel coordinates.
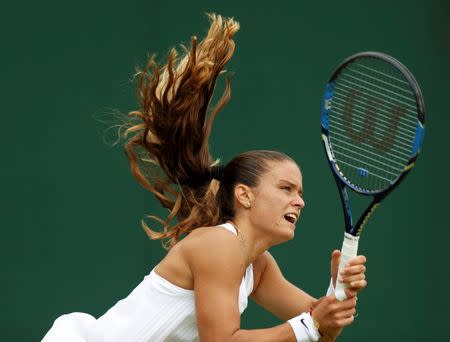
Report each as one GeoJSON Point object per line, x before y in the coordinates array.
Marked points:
{"type": "Point", "coordinates": [291, 235]}
{"type": "Point", "coordinates": [280, 232]}
{"type": "Point", "coordinates": [288, 232]}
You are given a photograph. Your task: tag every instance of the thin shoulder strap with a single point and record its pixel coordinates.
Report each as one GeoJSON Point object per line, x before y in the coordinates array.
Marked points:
{"type": "Point", "coordinates": [230, 227]}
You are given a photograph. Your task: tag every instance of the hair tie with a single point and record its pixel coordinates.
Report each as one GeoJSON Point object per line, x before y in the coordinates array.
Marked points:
{"type": "Point", "coordinates": [217, 171]}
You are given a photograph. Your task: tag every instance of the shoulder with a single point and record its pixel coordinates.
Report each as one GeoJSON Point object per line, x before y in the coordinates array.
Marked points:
{"type": "Point", "coordinates": [211, 237]}
{"type": "Point", "coordinates": [214, 249]}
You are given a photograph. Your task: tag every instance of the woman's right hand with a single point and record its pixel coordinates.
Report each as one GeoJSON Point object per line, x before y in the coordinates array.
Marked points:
{"type": "Point", "coordinates": [333, 315]}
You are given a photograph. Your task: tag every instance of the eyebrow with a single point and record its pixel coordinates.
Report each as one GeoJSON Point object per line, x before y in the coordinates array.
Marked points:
{"type": "Point", "coordinates": [300, 189]}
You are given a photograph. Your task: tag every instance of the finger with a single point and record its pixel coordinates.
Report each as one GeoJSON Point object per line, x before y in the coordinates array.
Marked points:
{"type": "Point", "coordinates": [349, 279]}
{"type": "Point", "coordinates": [317, 302]}
{"type": "Point", "coordinates": [335, 258]}
{"type": "Point", "coordinates": [345, 313]}
{"type": "Point", "coordinates": [357, 269]}
{"type": "Point", "coordinates": [350, 293]}
{"type": "Point", "coordinates": [360, 259]}
{"type": "Point", "coordinates": [358, 284]}
{"type": "Point", "coordinates": [346, 304]}
{"type": "Point", "coordinates": [335, 255]}
{"type": "Point", "coordinates": [346, 321]}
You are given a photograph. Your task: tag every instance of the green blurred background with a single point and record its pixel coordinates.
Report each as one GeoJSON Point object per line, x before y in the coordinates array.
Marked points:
{"type": "Point", "coordinates": [71, 211]}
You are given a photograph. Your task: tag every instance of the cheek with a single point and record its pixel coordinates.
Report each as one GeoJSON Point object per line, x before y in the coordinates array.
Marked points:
{"type": "Point", "coordinates": [268, 208]}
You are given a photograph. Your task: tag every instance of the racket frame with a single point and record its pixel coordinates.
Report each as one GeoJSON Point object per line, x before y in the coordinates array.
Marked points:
{"type": "Point", "coordinates": [341, 180]}
{"type": "Point", "coordinates": [352, 231]}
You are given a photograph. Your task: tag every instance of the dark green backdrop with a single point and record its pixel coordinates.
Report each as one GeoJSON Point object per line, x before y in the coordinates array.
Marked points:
{"type": "Point", "coordinates": [70, 210]}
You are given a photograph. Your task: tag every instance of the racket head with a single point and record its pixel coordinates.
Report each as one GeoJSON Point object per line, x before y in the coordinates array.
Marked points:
{"type": "Point", "coordinates": [372, 122]}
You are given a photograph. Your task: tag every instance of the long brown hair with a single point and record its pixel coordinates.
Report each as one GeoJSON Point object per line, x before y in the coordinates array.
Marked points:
{"type": "Point", "coordinates": [168, 150]}
{"type": "Point", "coordinates": [176, 123]}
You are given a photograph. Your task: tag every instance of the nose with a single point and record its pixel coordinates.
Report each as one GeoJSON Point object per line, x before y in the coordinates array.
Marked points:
{"type": "Point", "coordinates": [298, 202]}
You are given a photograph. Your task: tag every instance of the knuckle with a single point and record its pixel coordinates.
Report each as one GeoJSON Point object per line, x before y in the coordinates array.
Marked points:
{"type": "Point", "coordinates": [334, 315]}
{"type": "Point", "coordinates": [350, 293]}
{"type": "Point", "coordinates": [351, 303]}
{"type": "Point", "coordinates": [356, 284]}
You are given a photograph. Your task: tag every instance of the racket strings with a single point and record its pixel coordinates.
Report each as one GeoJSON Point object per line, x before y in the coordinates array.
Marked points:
{"type": "Point", "coordinates": [371, 87]}
{"type": "Point", "coordinates": [367, 75]}
{"type": "Point", "coordinates": [379, 72]}
{"type": "Point", "coordinates": [386, 106]}
{"type": "Point", "coordinates": [388, 100]}
{"type": "Point", "coordinates": [371, 160]}
{"type": "Point", "coordinates": [383, 111]}
{"type": "Point", "coordinates": [403, 134]}
{"type": "Point", "coordinates": [372, 123]}
{"type": "Point", "coordinates": [365, 150]}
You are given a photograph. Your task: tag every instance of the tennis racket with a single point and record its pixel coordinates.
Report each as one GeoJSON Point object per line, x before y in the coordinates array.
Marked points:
{"type": "Point", "coordinates": [372, 125]}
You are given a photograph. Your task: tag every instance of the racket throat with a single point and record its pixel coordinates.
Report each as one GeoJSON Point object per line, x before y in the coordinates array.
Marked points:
{"type": "Point", "coordinates": [365, 217]}
{"type": "Point", "coordinates": [346, 207]}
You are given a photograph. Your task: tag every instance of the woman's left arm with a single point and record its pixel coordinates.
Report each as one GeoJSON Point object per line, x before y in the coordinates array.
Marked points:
{"type": "Point", "coordinates": [277, 295]}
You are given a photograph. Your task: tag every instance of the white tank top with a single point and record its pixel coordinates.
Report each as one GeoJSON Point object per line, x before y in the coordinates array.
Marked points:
{"type": "Point", "coordinates": [156, 310]}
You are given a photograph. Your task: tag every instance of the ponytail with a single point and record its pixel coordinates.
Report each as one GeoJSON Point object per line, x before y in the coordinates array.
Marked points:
{"type": "Point", "coordinates": [174, 128]}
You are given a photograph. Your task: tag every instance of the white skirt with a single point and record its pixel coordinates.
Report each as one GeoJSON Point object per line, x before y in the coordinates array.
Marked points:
{"type": "Point", "coordinates": [73, 327]}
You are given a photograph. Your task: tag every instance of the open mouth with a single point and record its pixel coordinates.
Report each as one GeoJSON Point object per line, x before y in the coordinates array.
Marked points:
{"type": "Point", "coordinates": [290, 218]}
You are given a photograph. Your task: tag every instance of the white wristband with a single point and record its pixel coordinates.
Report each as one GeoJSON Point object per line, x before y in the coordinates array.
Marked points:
{"type": "Point", "coordinates": [304, 328]}
{"type": "Point", "coordinates": [330, 290]}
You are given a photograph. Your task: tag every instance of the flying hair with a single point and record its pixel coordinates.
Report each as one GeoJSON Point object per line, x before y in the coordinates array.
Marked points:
{"type": "Point", "coordinates": [168, 148]}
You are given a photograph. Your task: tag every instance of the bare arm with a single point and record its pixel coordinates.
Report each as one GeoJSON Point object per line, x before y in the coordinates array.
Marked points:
{"type": "Point", "coordinates": [276, 294]}
{"type": "Point", "coordinates": [285, 300]}
{"type": "Point", "coordinates": [217, 264]}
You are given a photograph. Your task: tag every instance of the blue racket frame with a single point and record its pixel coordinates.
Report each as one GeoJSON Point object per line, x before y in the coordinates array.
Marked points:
{"type": "Point", "coordinates": [341, 181]}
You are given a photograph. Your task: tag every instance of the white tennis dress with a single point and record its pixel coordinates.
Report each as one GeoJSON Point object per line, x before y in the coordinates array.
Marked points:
{"type": "Point", "coordinates": [156, 310]}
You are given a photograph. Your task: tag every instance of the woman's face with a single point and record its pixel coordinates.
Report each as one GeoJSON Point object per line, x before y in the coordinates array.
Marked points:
{"type": "Point", "coordinates": [277, 201]}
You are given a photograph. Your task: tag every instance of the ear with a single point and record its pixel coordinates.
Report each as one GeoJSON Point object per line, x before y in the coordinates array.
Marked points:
{"type": "Point", "coordinates": [244, 195]}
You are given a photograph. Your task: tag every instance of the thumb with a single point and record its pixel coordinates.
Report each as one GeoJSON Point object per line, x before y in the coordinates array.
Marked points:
{"type": "Point", "coordinates": [335, 258]}
{"type": "Point", "coordinates": [317, 302]}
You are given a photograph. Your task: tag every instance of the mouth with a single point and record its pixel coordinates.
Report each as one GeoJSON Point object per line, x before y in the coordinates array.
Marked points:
{"type": "Point", "coordinates": [291, 217]}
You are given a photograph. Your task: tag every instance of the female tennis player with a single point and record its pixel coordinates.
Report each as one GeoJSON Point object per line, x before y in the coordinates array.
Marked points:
{"type": "Point", "coordinates": [228, 216]}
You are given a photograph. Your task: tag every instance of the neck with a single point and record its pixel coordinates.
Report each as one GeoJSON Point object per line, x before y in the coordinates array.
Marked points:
{"type": "Point", "coordinates": [253, 245]}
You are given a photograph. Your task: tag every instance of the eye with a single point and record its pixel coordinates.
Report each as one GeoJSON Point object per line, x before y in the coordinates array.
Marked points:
{"type": "Point", "coordinates": [287, 188]}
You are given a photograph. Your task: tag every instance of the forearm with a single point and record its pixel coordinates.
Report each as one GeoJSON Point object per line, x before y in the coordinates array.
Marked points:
{"type": "Point", "coordinates": [327, 338]}
{"type": "Point", "coordinates": [287, 332]}
{"type": "Point", "coordinates": [279, 333]}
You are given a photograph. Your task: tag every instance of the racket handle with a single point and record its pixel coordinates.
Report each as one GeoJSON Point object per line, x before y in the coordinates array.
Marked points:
{"type": "Point", "coordinates": [349, 250]}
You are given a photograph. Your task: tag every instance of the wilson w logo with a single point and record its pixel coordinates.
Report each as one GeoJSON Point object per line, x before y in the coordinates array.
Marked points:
{"type": "Point", "coordinates": [387, 122]}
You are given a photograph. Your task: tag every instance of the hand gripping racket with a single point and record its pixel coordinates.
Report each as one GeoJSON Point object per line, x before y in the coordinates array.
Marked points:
{"type": "Point", "coordinates": [372, 125]}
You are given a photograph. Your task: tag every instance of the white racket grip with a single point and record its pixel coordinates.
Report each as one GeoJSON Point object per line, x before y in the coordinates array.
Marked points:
{"type": "Point", "coordinates": [349, 250]}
